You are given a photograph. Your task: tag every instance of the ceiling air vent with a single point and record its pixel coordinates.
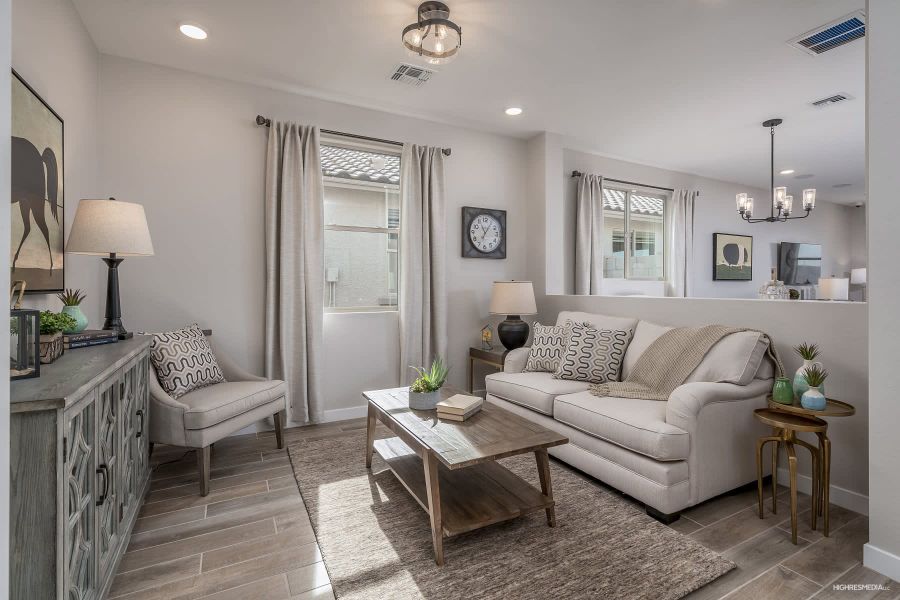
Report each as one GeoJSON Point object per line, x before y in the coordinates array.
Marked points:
{"type": "Point", "coordinates": [831, 35]}
{"type": "Point", "coordinates": [831, 100]}
{"type": "Point", "coordinates": [411, 75]}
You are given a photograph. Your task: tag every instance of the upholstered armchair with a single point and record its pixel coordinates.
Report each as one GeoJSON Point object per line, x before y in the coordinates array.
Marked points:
{"type": "Point", "coordinates": [204, 416]}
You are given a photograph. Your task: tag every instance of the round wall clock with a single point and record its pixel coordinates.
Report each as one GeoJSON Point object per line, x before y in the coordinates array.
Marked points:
{"type": "Point", "coordinates": [484, 233]}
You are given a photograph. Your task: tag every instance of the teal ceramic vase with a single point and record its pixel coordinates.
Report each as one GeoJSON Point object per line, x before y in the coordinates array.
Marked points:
{"type": "Point", "coordinates": [800, 385]}
{"type": "Point", "coordinates": [813, 399]}
{"type": "Point", "coordinates": [782, 391]}
{"type": "Point", "coordinates": [81, 321]}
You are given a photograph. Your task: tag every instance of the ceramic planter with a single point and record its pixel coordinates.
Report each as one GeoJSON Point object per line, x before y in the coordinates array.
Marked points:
{"type": "Point", "coordinates": [782, 392]}
{"type": "Point", "coordinates": [424, 400]}
{"type": "Point", "coordinates": [51, 347]}
{"type": "Point", "coordinates": [800, 385]}
{"type": "Point", "coordinates": [81, 321]}
{"type": "Point", "coordinates": [813, 399]}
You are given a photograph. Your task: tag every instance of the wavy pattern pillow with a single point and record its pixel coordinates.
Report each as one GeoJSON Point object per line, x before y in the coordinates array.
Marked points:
{"type": "Point", "coordinates": [547, 347]}
{"type": "Point", "coordinates": [184, 361]}
{"type": "Point", "coordinates": [593, 355]}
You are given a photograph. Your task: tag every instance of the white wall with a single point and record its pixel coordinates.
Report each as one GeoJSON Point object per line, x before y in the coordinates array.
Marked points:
{"type": "Point", "coordinates": [5, 121]}
{"type": "Point", "coordinates": [187, 148]}
{"type": "Point", "coordinates": [882, 553]}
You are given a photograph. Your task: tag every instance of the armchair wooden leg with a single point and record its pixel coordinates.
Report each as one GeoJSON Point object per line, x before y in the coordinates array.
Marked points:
{"type": "Point", "coordinates": [203, 460]}
{"type": "Point", "coordinates": [279, 430]}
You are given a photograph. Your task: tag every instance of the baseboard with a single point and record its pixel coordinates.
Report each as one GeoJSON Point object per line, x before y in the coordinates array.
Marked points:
{"type": "Point", "coordinates": [882, 561]}
{"type": "Point", "coordinates": [344, 414]}
{"type": "Point", "coordinates": [837, 495]}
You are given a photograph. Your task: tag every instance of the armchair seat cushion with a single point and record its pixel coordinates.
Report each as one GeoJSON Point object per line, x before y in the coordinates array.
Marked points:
{"type": "Point", "coordinates": [214, 404]}
{"type": "Point", "coordinates": [534, 390]}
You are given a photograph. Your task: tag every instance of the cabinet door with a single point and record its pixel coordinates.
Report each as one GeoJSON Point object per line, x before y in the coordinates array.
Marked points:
{"type": "Point", "coordinates": [133, 416]}
{"type": "Point", "coordinates": [108, 464]}
{"type": "Point", "coordinates": [79, 533]}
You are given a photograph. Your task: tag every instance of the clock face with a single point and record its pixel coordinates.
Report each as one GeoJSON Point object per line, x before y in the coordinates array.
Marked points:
{"type": "Point", "coordinates": [485, 233]}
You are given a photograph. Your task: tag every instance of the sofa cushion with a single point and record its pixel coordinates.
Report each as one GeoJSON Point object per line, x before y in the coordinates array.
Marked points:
{"type": "Point", "coordinates": [184, 361]}
{"type": "Point", "coordinates": [547, 347]}
{"type": "Point", "coordinates": [531, 390]}
{"type": "Point", "coordinates": [639, 425]}
{"type": "Point", "coordinates": [644, 334]}
{"type": "Point", "coordinates": [213, 404]}
{"type": "Point", "coordinates": [593, 355]}
{"type": "Point", "coordinates": [736, 358]}
{"type": "Point", "coordinates": [597, 320]}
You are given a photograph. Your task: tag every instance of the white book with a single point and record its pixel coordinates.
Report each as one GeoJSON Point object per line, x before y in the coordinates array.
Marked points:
{"type": "Point", "coordinates": [459, 404]}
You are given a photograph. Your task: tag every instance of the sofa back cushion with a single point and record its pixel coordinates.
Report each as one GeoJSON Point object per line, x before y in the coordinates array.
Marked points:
{"type": "Point", "coordinates": [597, 320]}
{"type": "Point", "coordinates": [644, 334]}
{"type": "Point", "coordinates": [736, 358]}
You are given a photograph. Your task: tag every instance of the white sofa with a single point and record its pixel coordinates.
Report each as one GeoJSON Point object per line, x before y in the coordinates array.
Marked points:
{"type": "Point", "coordinates": [669, 455]}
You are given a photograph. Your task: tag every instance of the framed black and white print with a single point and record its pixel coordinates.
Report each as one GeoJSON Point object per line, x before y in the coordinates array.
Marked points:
{"type": "Point", "coordinates": [38, 206]}
{"type": "Point", "coordinates": [732, 257]}
{"type": "Point", "coordinates": [483, 232]}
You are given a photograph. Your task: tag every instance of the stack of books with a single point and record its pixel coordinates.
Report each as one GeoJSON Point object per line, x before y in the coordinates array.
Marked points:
{"type": "Point", "coordinates": [459, 407]}
{"type": "Point", "coordinates": [89, 337]}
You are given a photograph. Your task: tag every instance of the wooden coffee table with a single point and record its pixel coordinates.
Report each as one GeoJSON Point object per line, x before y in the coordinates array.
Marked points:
{"type": "Point", "coordinates": [450, 467]}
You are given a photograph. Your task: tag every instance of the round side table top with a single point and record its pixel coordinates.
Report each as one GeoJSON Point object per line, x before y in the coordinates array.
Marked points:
{"type": "Point", "coordinates": [833, 408]}
{"type": "Point", "coordinates": [786, 420]}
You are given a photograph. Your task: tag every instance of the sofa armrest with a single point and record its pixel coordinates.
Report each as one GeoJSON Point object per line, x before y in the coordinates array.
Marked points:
{"type": "Point", "coordinates": [686, 401]}
{"type": "Point", "coordinates": [516, 359]}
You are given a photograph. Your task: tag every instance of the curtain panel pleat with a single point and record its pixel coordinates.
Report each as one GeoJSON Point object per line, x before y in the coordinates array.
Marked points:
{"type": "Point", "coordinates": [680, 236]}
{"type": "Point", "coordinates": [589, 235]}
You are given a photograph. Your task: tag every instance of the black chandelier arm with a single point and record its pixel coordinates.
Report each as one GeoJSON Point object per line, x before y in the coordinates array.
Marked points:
{"type": "Point", "coordinates": [774, 219]}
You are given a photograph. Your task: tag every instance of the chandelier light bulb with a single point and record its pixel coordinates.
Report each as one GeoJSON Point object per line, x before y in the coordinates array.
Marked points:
{"type": "Point", "coordinates": [749, 210]}
{"type": "Point", "coordinates": [778, 197]}
{"type": "Point", "coordinates": [788, 205]}
{"type": "Point", "coordinates": [809, 199]}
{"type": "Point", "coordinates": [741, 200]}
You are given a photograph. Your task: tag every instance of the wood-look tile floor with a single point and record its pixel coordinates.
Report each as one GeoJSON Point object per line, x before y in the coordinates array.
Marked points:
{"type": "Point", "coordinates": [251, 537]}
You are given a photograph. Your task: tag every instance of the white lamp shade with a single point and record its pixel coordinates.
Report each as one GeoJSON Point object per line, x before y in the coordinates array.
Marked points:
{"type": "Point", "coordinates": [858, 276]}
{"type": "Point", "coordinates": [513, 298]}
{"type": "Point", "coordinates": [834, 288]}
{"type": "Point", "coordinates": [109, 226]}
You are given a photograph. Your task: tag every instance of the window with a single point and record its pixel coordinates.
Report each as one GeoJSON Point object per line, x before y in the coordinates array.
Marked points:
{"type": "Point", "coordinates": [633, 226]}
{"type": "Point", "coordinates": [362, 228]}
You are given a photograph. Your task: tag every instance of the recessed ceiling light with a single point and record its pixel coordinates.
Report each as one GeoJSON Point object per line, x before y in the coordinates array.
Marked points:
{"type": "Point", "coordinates": [786, 172]}
{"type": "Point", "coordinates": [193, 31]}
{"type": "Point", "coordinates": [513, 111]}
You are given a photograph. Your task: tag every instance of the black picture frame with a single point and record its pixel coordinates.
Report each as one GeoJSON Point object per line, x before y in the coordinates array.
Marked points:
{"type": "Point", "coordinates": [469, 213]}
{"type": "Point", "coordinates": [732, 266]}
{"type": "Point", "coordinates": [39, 280]}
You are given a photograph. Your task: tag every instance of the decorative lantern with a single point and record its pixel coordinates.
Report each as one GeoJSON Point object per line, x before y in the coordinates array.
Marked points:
{"type": "Point", "coordinates": [24, 344]}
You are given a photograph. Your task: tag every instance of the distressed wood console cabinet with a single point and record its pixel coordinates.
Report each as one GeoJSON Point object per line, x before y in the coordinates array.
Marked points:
{"type": "Point", "coordinates": [79, 469]}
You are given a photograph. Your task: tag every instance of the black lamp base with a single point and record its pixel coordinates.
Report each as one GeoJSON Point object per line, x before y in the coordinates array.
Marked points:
{"type": "Point", "coordinates": [513, 332]}
{"type": "Point", "coordinates": [113, 315]}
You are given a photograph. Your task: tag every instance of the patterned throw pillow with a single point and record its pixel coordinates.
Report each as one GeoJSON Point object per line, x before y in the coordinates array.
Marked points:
{"type": "Point", "coordinates": [184, 361]}
{"type": "Point", "coordinates": [593, 355]}
{"type": "Point", "coordinates": [547, 347]}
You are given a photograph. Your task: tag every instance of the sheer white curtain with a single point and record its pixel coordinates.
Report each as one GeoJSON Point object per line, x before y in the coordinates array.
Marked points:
{"type": "Point", "coordinates": [295, 264]}
{"type": "Point", "coordinates": [680, 237]}
{"type": "Point", "coordinates": [589, 234]}
{"type": "Point", "coordinates": [423, 294]}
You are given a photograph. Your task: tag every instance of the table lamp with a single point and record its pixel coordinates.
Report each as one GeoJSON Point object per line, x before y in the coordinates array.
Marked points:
{"type": "Point", "coordinates": [834, 288]}
{"type": "Point", "coordinates": [116, 229]}
{"type": "Point", "coordinates": [513, 299]}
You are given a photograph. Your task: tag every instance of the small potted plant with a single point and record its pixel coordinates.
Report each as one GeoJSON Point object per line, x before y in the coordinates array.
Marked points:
{"type": "Point", "coordinates": [425, 391]}
{"type": "Point", "coordinates": [808, 352]}
{"type": "Point", "coordinates": [813, 398]}
{"type": "Point", "coordinates": [52, 327]}
{"type": "Point", "coordinates": [72, 300]}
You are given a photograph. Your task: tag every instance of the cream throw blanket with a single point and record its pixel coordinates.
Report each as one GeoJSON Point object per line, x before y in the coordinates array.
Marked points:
{"type": "Point", "coordinates": [670, 359]}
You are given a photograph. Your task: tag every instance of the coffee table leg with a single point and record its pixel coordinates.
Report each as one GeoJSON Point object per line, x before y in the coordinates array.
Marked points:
{"type": "Point", "coordinates": [370, 436]}
{"type": "Point", "coordinates": [432, 486]}
{"type": "Point", "coordinates": [543, 466]}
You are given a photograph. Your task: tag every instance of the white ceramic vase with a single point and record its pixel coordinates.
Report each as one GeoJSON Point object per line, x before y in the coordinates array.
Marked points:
{"type": "Point", "coordinates": [800, 385]}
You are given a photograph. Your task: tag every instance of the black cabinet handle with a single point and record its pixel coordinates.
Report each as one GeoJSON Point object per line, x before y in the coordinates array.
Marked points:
{"type": "Point", "coordinates": [140, 432]}
{"type": "Point", "coordinates": [103, 470]}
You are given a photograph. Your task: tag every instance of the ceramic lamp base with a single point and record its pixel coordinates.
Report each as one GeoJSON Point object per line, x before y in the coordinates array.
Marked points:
{"type": "Point", "coordinates": [513, 332]}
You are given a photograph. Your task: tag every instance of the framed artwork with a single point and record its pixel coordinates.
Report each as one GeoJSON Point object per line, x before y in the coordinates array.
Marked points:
{"type": "Point", "coordinates": [732, 257]}
{"type": "Point", "coordinates": [38, 206]}
{"type": "Point", "coordinates": [483, 232]}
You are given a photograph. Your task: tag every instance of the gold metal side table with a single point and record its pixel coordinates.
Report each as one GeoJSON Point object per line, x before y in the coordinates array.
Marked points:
{"type": "Point", "coordinates": [494, 358]}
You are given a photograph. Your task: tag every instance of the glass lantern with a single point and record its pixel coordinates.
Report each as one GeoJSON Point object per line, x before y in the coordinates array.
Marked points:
{"type": "Point", "coordinates": [24, 344]}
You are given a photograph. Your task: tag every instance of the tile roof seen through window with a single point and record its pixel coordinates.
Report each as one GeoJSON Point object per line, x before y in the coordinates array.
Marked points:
{"type": "Point", "coordinates": [360, 165]}
{"type": "Point", "coordinates": [644, 205]}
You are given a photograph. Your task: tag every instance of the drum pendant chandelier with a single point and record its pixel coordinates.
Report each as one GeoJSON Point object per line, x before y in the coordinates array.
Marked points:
{"type": "Point", "coordinates": [434, 37]}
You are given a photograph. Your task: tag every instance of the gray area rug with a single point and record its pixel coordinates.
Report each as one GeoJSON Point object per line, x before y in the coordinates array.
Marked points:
{"type": "Point", "coordinates": [376, 540]}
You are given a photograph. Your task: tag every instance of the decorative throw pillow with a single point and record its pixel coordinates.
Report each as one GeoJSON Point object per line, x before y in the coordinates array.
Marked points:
{"type": "Point", "coordinates": [184, 361]}
{"type": "Point", "coordinates": [593, 355]}
{"type": "Point", "coordinates": [547, 347]}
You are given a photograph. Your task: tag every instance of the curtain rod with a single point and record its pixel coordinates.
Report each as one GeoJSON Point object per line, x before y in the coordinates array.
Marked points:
{"type": "Point", "coordinates": [261, 120]}
{"type": "Point", "coordinates": [644, 185]}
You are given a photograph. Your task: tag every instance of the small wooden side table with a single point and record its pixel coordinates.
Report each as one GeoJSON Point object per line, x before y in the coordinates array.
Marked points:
{"type": "Point", "coordinates": [494, 358]}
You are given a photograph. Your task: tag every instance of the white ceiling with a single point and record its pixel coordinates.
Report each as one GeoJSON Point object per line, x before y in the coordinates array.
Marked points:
{"type": "Point", "coordinates": [682, 85]}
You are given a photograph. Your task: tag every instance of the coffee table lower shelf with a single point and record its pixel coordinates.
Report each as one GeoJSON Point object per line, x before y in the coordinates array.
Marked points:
{"type": "Point", "coordinates": [471, 497]}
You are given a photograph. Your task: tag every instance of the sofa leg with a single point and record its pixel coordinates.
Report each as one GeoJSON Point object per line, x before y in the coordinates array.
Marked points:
{"type": "Point", "coordinates": [203, 460]}
{"type": "Point", "coordinates": [664, 518]}
{"type": "Point", "coordinates": [279, 430]}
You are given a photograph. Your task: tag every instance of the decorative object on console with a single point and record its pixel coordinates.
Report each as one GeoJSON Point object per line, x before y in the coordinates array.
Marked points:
{"type": "Point", "coordinates": [37, 185]}
{"type": "Point", "coordinates": [487, 337]}
{"type": "Point", "coordinates": [433, 37]}
{"type": "Point", "coordinates": [834, 288]}
{"type": "Point", "coordinates": [483, 233]}
{"type": "Point", "coordinates": [858, 278]}
{"type": "Point", "coordinates": [184, 361]}
{"type": "Point", "coordinates": [24, 343]}
{"type": "Point", "coordinates": [115, 228]}
{"type": "Point", "coordinates": [20, 285]}
{"type": "Point", "coordinates": [513, 299]}
{"type": "Point", "coordinates": [782, 207]}
{"type": "Point", "coordinates": [774, 289]}
{"type": "Point", "coordinates": [72, 300]}
{"type": "Point", "coordinates": [809, 353]}
{"type": "Point", "coordinates": [593, 355]}
{"type": "Point", "coordinates": [813, 398]}
{"type": "Point", "coordinates": [732, 257]}
{"type": "Point", "coordinates": [547, 347]}
{"type": "Point", "coordinates": [52, 326]}
{"type": "Point", "coordinates": [425, 391]}
{"type": "Point", "coordinates": [783, 391]}
{"type": "Point", "coordinates": [89, 337]}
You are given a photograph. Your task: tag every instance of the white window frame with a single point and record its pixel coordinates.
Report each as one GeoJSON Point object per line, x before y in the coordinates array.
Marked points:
{"type": "Point", "coordinates": [629, 233]}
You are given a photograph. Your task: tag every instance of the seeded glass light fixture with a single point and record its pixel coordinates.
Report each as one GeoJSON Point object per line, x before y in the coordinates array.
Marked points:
{"type": "Point", "coordinates": [433, 37]}
{"type": "Point", "coordinates": [782, 208]}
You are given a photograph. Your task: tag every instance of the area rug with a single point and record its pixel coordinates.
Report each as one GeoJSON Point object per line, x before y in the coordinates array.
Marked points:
{"type": "Point", "coordinates": [376, 540]}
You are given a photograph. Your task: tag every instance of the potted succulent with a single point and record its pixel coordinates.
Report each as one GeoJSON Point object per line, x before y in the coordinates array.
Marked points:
{"type": "Point", "coordinates": [72, 300]}
{"type": "Point", "coordinates": [813, 398]}
{"type": "Point", "coordinates": [425, 391]}
{"type": "Point", "coordinates": [52, 326]}
{"type": "Point", "coordinates": [808, 352]}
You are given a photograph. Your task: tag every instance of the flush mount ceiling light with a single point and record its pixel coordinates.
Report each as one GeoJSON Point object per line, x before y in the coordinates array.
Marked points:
{"type": "Point", "coordinates": [433, 37]}
{"type": "Point", "coordinates": [782, 203]}
{"type": "Point", "coordinates": [786, 172]}
{"type": "Point", "coordinates": [193, 31]}
{"type": "Point", "coordinates": [513, 111]}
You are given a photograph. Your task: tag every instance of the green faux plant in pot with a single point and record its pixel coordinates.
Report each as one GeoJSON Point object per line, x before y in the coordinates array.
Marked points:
{"type": "Point", "coordinates": [72, 300]}
{"type": "Point", "coordinates": [808, 352]}
{"type": "Point", "coordinates": [52, 326]}
{"type": "Point", "coordinates": [424, 393]}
